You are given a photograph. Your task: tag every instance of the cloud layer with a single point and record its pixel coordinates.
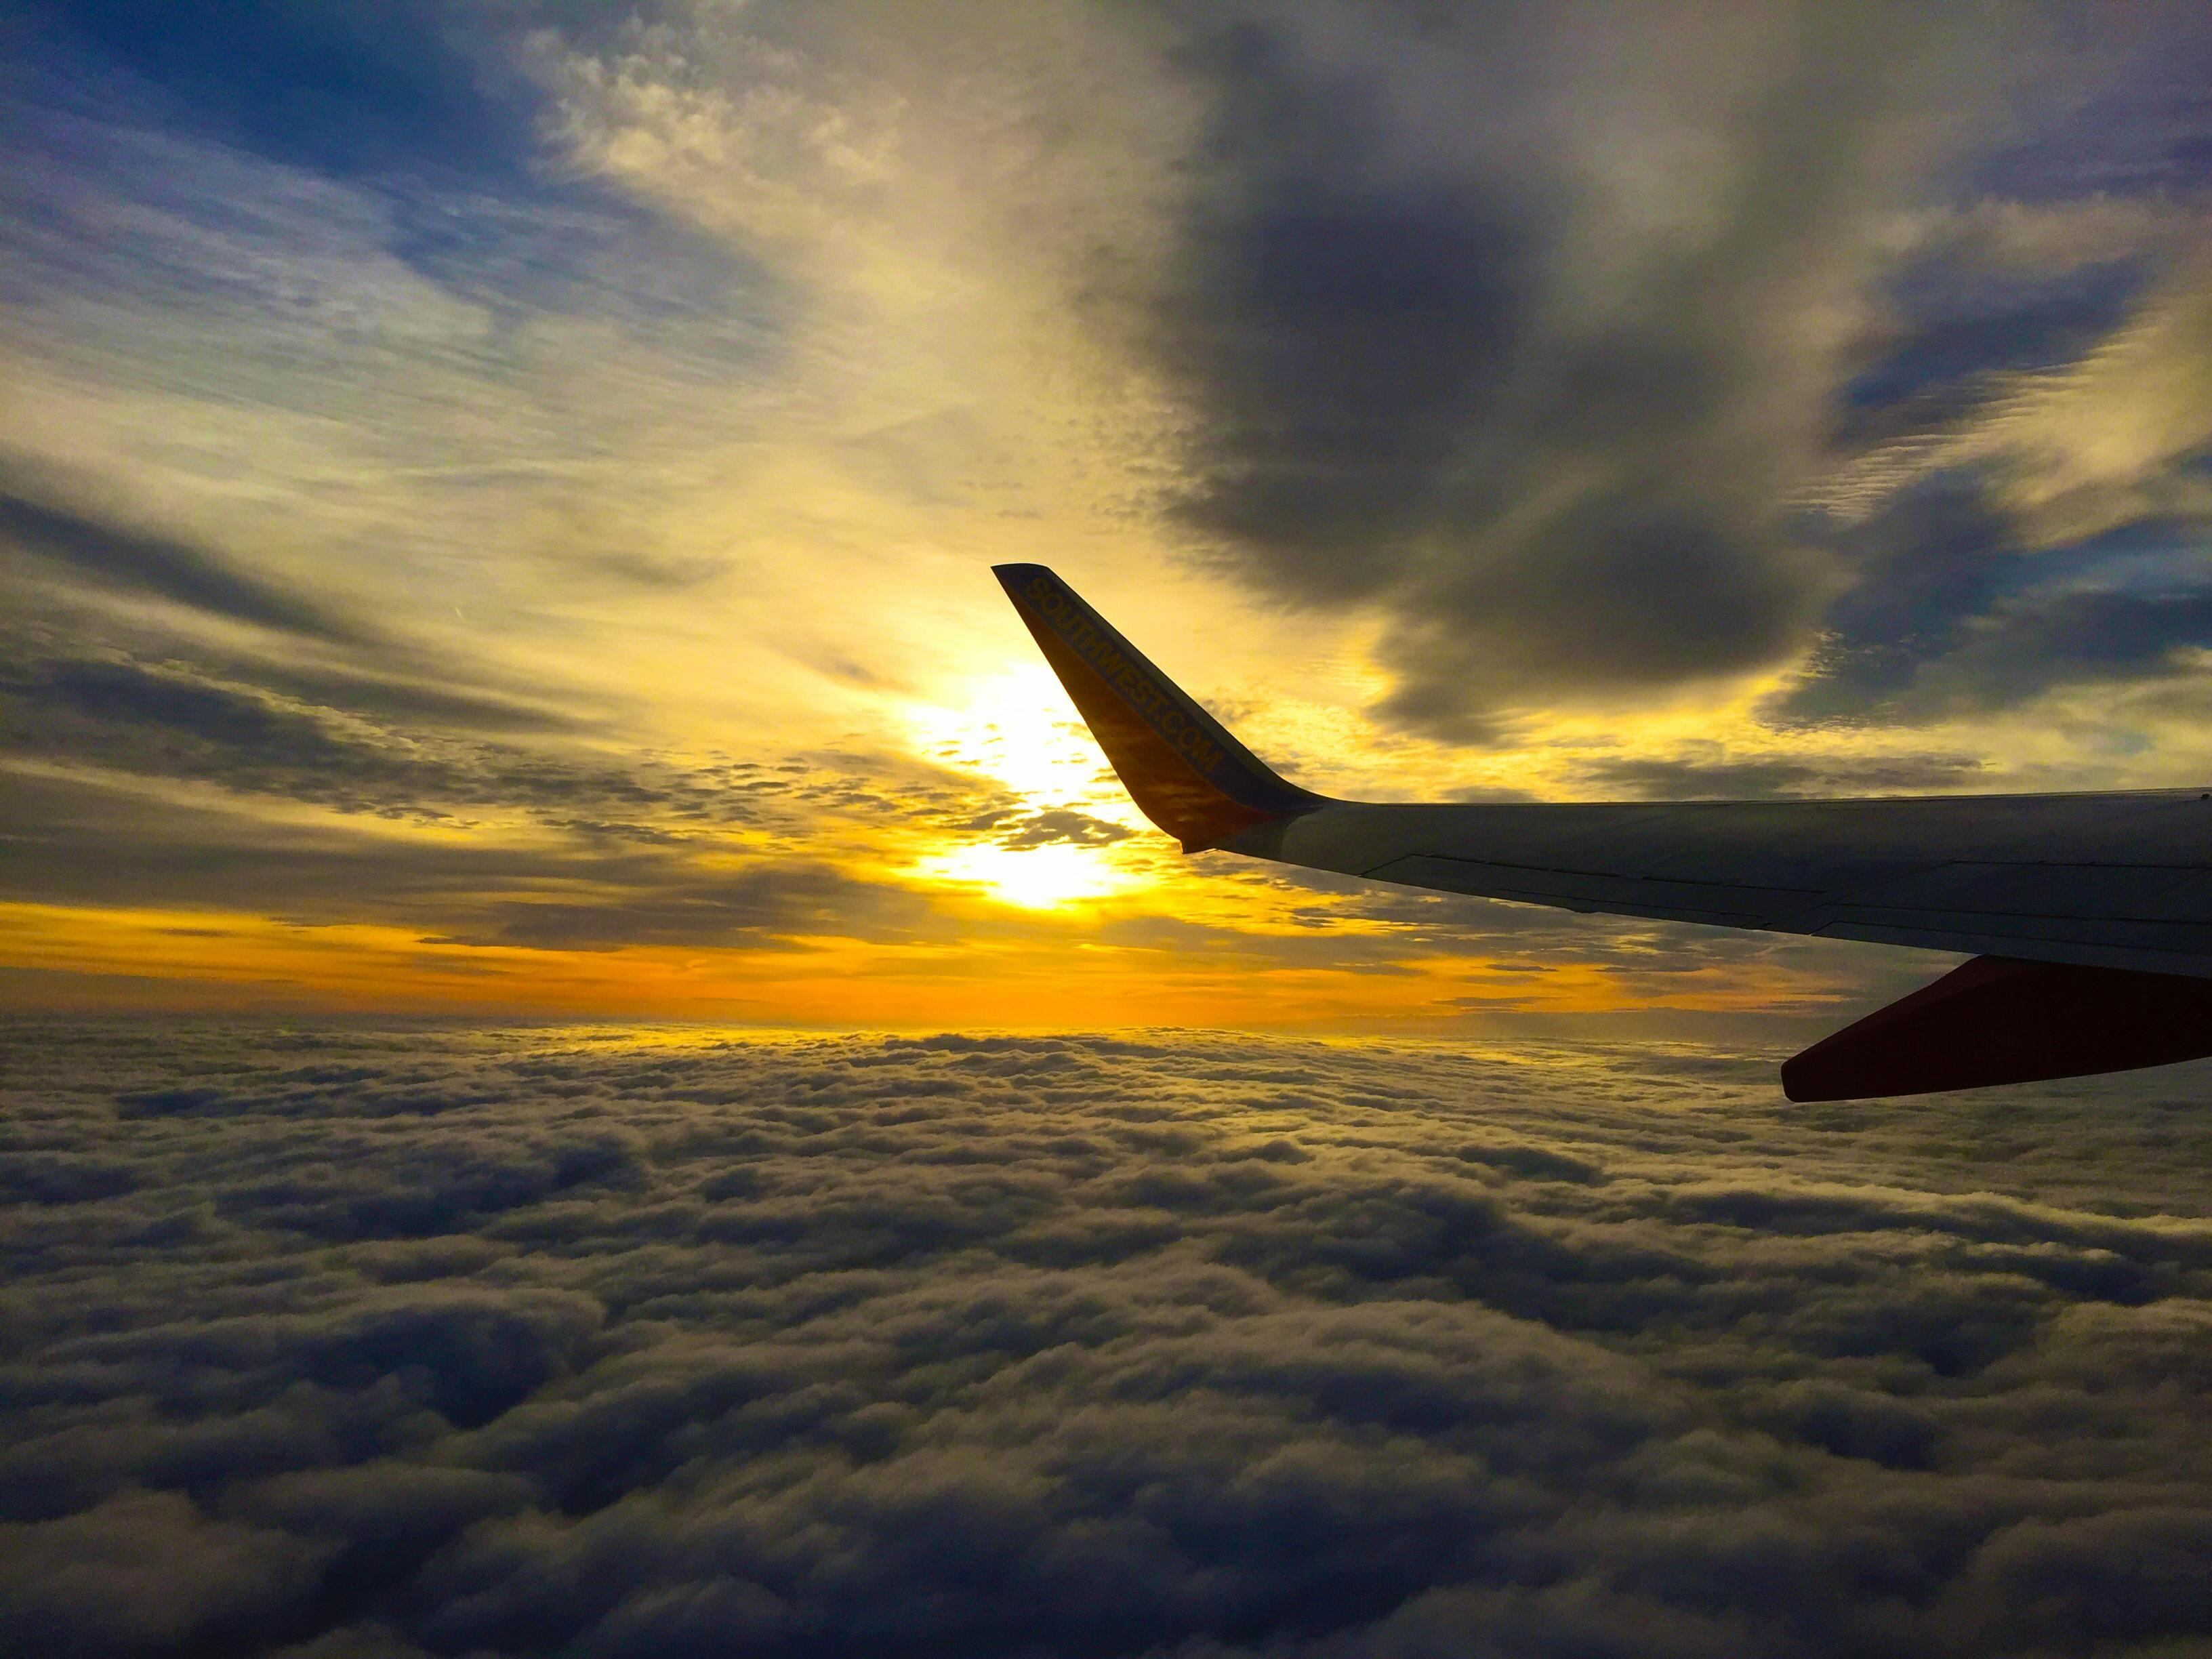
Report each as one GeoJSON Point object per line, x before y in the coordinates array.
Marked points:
{"type": "Point", "coordinates": [406, 1342]}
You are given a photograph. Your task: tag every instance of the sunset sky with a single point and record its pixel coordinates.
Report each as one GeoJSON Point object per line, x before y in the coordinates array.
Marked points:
{"type": "Point", "coordinates": [593, 1063]}
{"type": "Point", "coordinates": [496, 499]}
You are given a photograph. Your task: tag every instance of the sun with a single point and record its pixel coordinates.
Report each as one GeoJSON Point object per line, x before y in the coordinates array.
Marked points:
{"type": "Point", "coordinates": [1017, 728]}
{"type": "Point", "coordinates": [1032, 877]}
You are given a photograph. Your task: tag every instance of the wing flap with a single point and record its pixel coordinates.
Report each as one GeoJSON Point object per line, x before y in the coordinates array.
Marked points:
{"type": "Point", "coordinates": [1996, 1020]}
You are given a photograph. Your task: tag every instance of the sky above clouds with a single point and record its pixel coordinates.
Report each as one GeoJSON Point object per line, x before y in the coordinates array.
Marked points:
{"type": "Point", "coordinates": [496, 499]}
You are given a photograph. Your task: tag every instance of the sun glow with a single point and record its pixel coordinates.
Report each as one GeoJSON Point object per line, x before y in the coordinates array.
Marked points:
{"type": "Point", "coordinates": [1033, 878]}
{"type": "Point", "coordinates": [1017, 728]}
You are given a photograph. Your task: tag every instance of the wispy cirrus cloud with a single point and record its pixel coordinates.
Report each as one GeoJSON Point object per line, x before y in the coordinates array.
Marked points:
{"type": "Point", "coordinates": [113, 555]}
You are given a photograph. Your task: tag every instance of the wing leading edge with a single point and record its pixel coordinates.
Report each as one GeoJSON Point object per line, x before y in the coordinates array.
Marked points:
{"type": "Point", "coordinates": [2090, 914]}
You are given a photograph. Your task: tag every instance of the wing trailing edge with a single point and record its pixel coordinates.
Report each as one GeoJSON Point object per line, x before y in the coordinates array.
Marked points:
{"type": "Point", "coordinates": [2093, 913]}
{"type": "Point", "coordinates": [1995, 1020]}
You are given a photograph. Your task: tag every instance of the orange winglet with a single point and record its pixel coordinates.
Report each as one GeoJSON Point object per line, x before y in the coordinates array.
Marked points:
{"type": "Point", "coordinates": [1184, 771]}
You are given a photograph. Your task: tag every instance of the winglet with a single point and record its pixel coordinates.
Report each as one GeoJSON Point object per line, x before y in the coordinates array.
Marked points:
{"type": "Point", "coordinates": [1187, 774]}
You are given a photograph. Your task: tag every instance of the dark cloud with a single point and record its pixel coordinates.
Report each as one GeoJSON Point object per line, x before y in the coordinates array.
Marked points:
{"type": "Point", "coordinates": [593, 887]}
{"type": "Point", "coordinates": [1960, 322]}
{"type": "Point", "coordinates": [441, 1342]}
{"type": "Point", "coordinates": [123, 696]}
{"type": "Point", "coordinates": [1761, 779]}
{"type": "Point", "coordinates": [1060, 826]}
{"type": "Point", "coordinates": [1402, 393]}
{"type": "Point", "coordinates": [356, 745]}
{"type": "Point", "coordinates": [377, 744]}
{"type": "Point", "coordinates": [2065, 638]}
{"type": "Point", "coordinates": [1439, 359]}
{"type": "Point", "coordinates": [1932, 560]}
{"type": "Point", "coordinates": [1340, 332]}
{"type": "Point", "coordinates": [1953, 615]}
{"type": "Point", "coordinates": [390, 696]}
{"type": "Point", "coordinates": [772, 901]}
{"type": "Point", "coordinates": [115, 556]}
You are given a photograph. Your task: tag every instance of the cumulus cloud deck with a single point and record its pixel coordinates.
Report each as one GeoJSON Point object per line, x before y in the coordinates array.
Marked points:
{"type": "Point", "coordinates": [625, 1342]}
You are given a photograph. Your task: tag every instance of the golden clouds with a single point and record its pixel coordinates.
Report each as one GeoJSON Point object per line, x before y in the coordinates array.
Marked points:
{"type": "Point", "coordinates": [985, 975]}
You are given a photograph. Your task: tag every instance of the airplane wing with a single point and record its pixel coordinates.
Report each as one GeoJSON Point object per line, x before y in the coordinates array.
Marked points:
{"type": "Point", "coordinates": [2089, 915]}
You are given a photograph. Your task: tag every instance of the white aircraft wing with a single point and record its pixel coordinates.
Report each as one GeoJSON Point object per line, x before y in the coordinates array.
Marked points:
{"type": "Point", "coordinates": [2102, 880]}
{"type": "Point", "coordinates": [2090, 915]}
